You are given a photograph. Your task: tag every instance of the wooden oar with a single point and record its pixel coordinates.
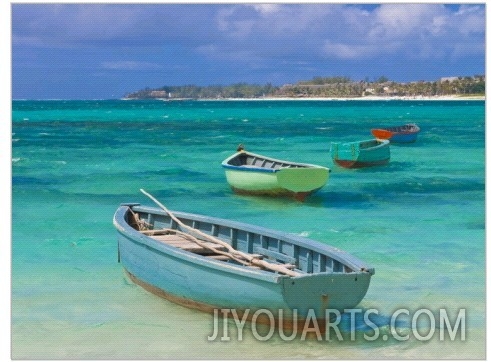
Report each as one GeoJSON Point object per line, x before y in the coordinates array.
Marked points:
{"type": "Point", "coordinates": [209, 247]}
{"type": "Point", "coordinates": [232, 252]}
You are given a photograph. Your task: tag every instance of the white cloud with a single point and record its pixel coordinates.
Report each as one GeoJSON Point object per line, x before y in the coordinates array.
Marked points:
{"type": "Point", "coordinates": [258, 31]}
{"type": "Point", "coordinates": [255, 34]}
{"type": "Point", "coordinates": [267, 8]}
{"type": "Point", "coordinates": [346, 51]}
{"type": "Point", "coordinates": [401, 20]}
{"type": "Point", "coordinates": [471, 19]}
{"type": "Point", "coordinates": [466, 49]}
{"type": "Point", "coordinates": [412, 30]}
{"type": "Point", "coordinates": [128, 65]}
{"type": "Point", "coordinates": [222, 18]}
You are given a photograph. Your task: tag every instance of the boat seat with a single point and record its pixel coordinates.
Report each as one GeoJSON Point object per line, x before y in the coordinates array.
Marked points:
{"type": "Point", "coordinates": [152, 232]}
{"type": "Point", "coordinates": [185, 244]}
{"type": "Point", "coordinates": [170, 238]}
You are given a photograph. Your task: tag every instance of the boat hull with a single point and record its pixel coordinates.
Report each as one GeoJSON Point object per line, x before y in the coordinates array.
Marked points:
{"type": "Point", "coordinates": [361, 154]}
{"type": "Point", "coordinates": [253, 174]}
{"type": "Point", "coordinates": [291, 316]}
{"type": "Point", "coordinates": [195, 282]}
{"type": "Point", "coordinates": [298, 183]}
{"type": "Point", "coordinates": [361, 164]}
{"type": "Point", "coordinates": [402, 134]}
{"type": "Point", "coordinates": [404, 138]}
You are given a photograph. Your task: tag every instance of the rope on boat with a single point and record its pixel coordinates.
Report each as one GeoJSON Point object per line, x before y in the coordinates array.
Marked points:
{"type": "Point", "coordinates": [232, 253]}
{"type": "Point", "coordinates": [141, 224]}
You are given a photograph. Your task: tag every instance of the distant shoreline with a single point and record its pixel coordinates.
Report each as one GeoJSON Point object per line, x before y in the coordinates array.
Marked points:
{"type": "Point", "coordinates": [365, 98]}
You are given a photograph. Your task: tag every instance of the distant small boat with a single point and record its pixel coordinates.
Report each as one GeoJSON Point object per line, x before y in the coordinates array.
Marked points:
{"type": "Point", "coordinates": [359, 154]}
{"type": "Point", "coordinates": [250, 173]}
{"type": "Point", "coordinates": [207, 263]}
{"type": "Point", "coordinates": [402, 134]}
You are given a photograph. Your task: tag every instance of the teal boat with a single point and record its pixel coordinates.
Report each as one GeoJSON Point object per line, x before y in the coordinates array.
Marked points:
{"type": "Point", "coordinates": [207, 263]}
{"type": "Point", "coordinates": [253, 174]}
{"type": "Point", "coordinates": [373, 152]}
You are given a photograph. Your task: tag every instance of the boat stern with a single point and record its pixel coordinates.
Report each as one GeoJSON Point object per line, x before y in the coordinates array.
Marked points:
{"type": "Point", "coordinates": [382, 134]}
{"type": "Point", "coordinates": [303, 179]}
{"type": "Point", "coordinates": [323, 291]}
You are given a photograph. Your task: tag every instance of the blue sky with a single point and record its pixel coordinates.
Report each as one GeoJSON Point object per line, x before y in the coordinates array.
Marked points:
{"type": "Point", "coordinates": [100, 51]}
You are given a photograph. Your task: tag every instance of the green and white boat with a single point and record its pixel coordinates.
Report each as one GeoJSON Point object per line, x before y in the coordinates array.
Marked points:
{"type": "Point", "coordinates": [253, 174]}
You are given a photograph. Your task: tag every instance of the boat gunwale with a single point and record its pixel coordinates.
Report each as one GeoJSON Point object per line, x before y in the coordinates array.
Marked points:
{"type": "Point", "coordinates": [406, 129]}
{"type": "Point", "coordinates": [381, 143]}
{"type": "Point", "coordinates": [356, 265]}
{"type": "Point", "coordinates": [226, 164]}
{"type": "Point", "coordinates": [246, 168]}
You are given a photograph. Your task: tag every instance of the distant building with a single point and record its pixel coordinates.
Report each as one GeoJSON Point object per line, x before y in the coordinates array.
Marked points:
{"type": "Point", "coordinates": [390, 91]}
{"type": "Point", "coordinates": [449, 79]}
{"type": "Point", "coordinates": [158, 94]}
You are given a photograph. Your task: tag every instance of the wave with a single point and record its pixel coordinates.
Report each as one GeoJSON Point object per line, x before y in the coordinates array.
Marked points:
{"type": "Point", "coordinates": [424, 185]}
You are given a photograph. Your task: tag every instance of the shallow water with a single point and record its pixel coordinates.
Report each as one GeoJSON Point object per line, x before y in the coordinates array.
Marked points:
{"type": "Point", "coordinates": [419, 220]}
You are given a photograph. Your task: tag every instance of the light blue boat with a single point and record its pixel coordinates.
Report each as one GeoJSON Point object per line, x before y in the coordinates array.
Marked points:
{"type": "Point", "coordinates": [367, 153]}
{"type": "Point", "coordinates": [286, 273]}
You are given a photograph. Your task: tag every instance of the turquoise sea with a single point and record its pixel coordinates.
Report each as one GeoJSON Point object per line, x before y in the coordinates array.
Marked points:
{"type": "Point", "coordinates": [419, 221]}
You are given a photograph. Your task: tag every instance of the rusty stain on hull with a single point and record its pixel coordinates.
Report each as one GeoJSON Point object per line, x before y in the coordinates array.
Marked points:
{"type": "Point", "coordinates": [299, 196]}
{"type": "Point", "coordinates": [360, 164]}
{"type": "Point", "coordinates": [299, 324]}
{"type": "Point", "coordinates": [170, 297]}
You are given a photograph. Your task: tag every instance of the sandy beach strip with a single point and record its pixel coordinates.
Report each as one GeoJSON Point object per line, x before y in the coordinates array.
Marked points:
{"type": "Point", "coordinates": [366, 98]}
